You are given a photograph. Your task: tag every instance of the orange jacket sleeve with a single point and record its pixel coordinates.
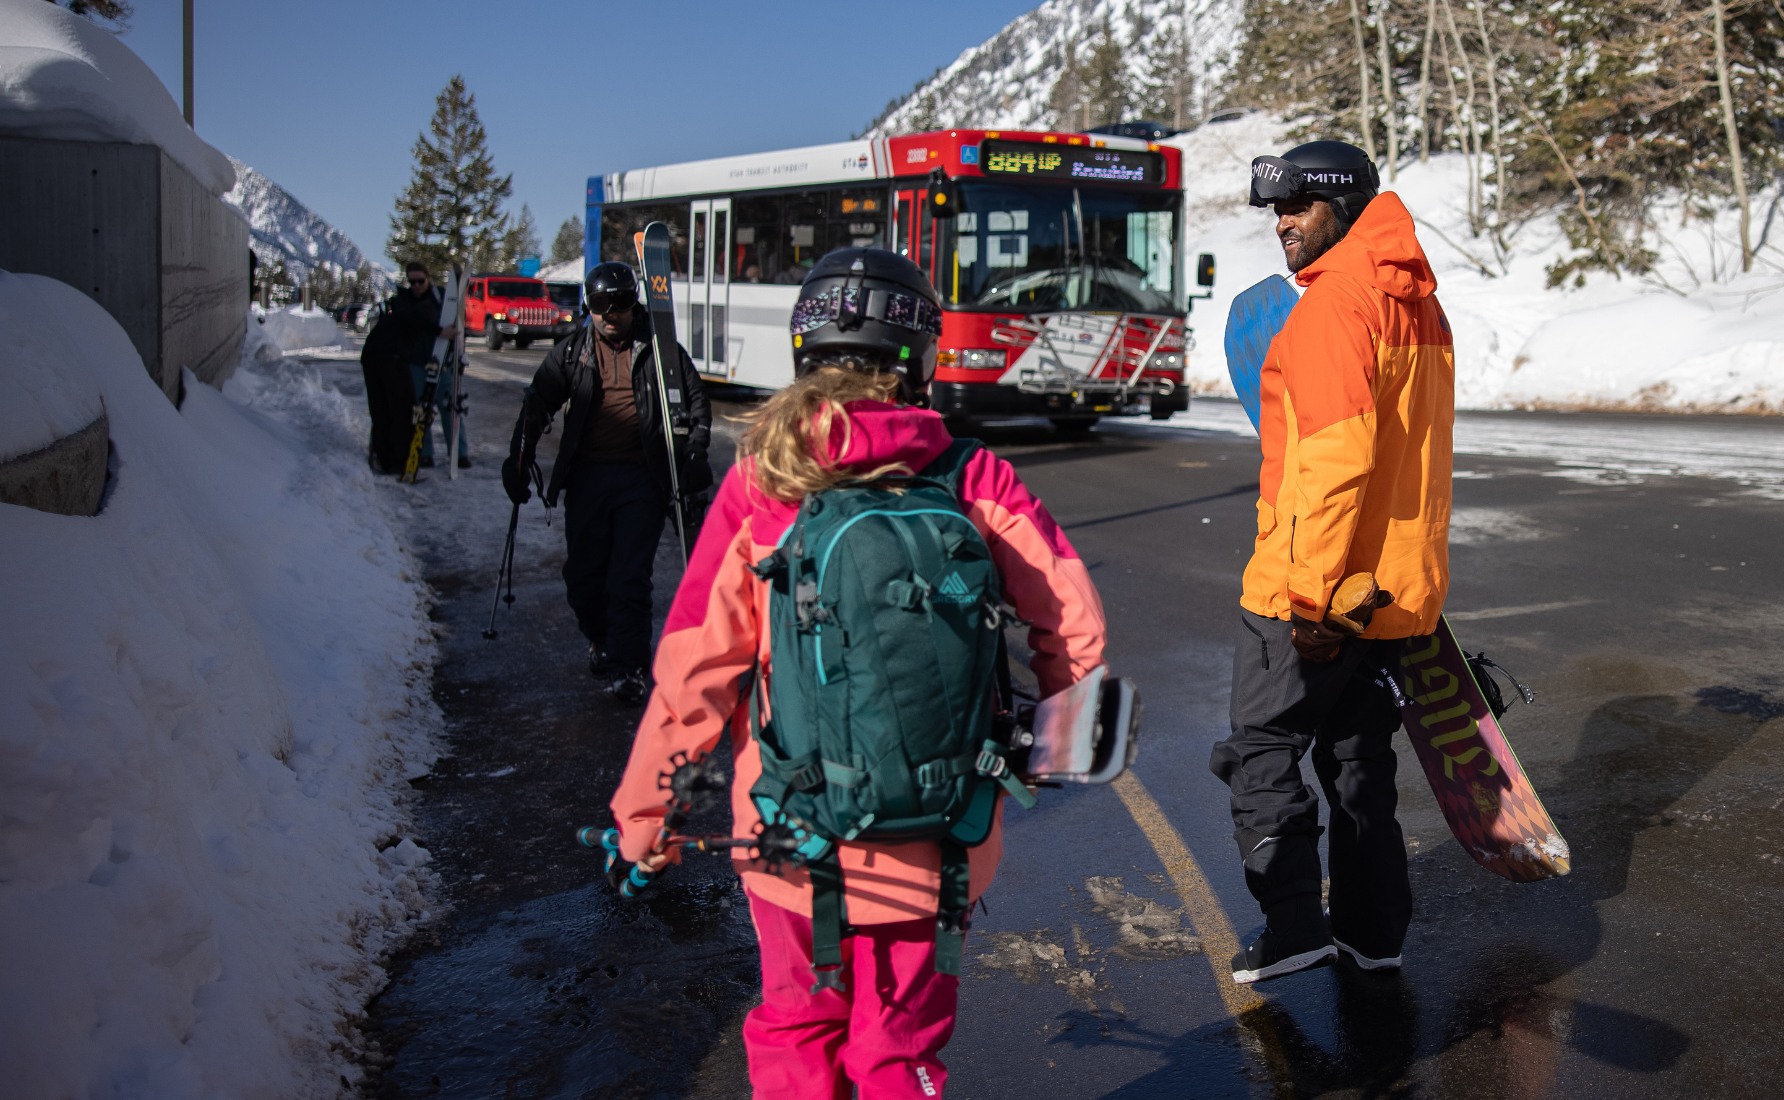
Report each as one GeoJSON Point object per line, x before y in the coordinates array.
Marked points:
{"type": "Point", "coordinates": [1328, 360]}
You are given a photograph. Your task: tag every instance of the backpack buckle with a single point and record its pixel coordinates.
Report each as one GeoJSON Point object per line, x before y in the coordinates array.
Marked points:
{"type": "Point", "coordinates": [827, 977]}
{"type": "Point", "coordinates": [991, 764]}
{"type": "Point", "coordinates": [808, 778]}
{"type": "Point", "coordinates": [953, 922]}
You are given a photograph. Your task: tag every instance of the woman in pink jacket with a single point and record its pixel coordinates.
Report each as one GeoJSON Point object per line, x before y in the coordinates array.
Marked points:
{"type": "Point", "coordinates": [862, 359]}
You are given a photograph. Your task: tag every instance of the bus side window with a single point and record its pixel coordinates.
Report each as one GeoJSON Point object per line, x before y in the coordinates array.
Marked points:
{"type": "Point", "coordinates": [755, 230]}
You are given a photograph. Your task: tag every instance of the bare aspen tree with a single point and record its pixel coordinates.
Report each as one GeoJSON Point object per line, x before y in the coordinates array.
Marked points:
{"type": "Point", "coordinates": [1425, 82]}
{"type": "Point", "coordinates": [1476, 201]}
{"type": "Point", "coordinates": [1387, 89]}
{"type": "Point", "coordinates": [1734, 141]}
{"type": "Point", "coordinates": [1364, 122]}
{"type": "Point", "coordinates": [1486, 45]}
{"type": "Point", "coordinates": [1456, 113]}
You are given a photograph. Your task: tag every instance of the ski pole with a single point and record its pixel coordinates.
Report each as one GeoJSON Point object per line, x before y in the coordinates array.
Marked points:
{"type": "Point", "coordinates": [504, 571]}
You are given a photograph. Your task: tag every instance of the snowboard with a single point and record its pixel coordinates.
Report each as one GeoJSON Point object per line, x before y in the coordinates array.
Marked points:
{"type": "Point", "coordinates": [654, 256]}
{"type": "Point", "coordinates": [1255, 318]}
{"type": "Point", "coordinates": [1487, 800]}
{"type": "Point", "coordinates": [422, 415]}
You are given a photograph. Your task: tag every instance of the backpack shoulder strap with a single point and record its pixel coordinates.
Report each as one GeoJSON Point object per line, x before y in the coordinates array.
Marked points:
{"type": "Point", "coordinates": [948, 466]}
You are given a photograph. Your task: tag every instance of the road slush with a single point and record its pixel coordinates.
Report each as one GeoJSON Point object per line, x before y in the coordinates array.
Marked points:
{"type": "Point", "coordinates": [423, 413]}
{"type": "Point", "coordinates": [1480, 785]}
{"type": "Point", "coordinates": [653, 256]}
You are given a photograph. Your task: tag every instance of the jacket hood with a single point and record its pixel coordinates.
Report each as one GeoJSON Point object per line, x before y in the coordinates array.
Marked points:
{"type": "Point", "coordinates": [877, 434]}
{"type": "Point", "coordinates": [1382, 251]}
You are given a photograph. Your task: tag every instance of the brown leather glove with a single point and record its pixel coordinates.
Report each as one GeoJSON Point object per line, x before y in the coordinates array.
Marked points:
{"type": "Point", "coordinates": [1347, 616]}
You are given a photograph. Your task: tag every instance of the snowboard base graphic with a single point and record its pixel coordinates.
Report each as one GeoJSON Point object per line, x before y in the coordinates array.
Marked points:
{"type": "Point", "coordinates": [1481, 787]}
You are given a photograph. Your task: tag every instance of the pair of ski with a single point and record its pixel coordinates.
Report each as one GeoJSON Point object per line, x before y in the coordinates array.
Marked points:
{"type": "Point", "coordinates": [448, 359]}
{"type": "Point", "coordinates": [1487, 800]}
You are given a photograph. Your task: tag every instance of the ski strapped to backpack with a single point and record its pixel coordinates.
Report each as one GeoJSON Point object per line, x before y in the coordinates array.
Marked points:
{"type": "Point", "coordinates": [422, 414]}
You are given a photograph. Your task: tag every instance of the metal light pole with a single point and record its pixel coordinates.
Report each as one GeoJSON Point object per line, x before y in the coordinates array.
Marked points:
{"type": "Point", "coordinates": [186, 36]}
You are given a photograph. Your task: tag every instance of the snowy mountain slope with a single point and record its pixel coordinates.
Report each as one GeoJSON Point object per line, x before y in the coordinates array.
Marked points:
{"type": "Point", "coordinates": [1677, 340]}
{"type": "Point", "coordinates": [1006, 82]}
{"type": "Point", "coordinates": [286, 229]}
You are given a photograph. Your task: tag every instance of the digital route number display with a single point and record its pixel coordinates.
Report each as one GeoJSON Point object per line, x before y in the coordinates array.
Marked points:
{"type": "Point", "coordinates": [1071, 162]}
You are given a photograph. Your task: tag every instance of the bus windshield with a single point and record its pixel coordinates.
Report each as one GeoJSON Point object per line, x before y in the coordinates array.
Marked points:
{"type": "Point", "coordinates": [1037, 248]}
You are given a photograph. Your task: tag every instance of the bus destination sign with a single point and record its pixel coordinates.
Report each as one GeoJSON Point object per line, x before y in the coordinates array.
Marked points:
{"type": "Point", "coordinates": [1071, 162]}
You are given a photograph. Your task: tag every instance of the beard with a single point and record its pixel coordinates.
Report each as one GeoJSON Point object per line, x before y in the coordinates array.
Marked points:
{"type": "Point", "coordinates": [1314, 243]}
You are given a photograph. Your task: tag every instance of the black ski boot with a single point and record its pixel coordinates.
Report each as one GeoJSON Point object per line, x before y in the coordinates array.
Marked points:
{"type": "Point", "coordinates": [1296, 938]}
{"type": "Point", "coordinates": [630, 688]}
{"type": "Point", "coordinates": [597, 663]}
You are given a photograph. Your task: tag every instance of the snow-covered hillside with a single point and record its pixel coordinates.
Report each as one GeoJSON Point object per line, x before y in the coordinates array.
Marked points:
{"type": "Point", "coordinates": [1006, 82]}
{"type": "Point", "coordinates": [286, 229]}
{"type": "Point", "coordinates": [1694, 336]}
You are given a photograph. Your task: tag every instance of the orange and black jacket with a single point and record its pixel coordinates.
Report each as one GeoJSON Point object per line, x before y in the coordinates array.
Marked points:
{"type": "Point", "coordinates": [1358, 396]}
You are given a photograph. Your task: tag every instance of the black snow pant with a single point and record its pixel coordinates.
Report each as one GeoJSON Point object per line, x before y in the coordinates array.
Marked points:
{"type": "Point", "coordinates": [1345, 711]}
{"type": "Point", "coordinates": [613, 519]}
{"type": "Point", "coordinates": [390, 398]}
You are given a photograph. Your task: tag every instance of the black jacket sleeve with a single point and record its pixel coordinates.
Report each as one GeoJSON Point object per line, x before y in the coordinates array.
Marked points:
{"type": "Point", "coordinates": [544, 397]}
{"type": "Point", "coordinates": [694, 404]}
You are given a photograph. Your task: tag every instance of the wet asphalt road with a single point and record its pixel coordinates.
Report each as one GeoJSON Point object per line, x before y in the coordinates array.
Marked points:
{"type": "Point", "coordinates": [1645, 611]}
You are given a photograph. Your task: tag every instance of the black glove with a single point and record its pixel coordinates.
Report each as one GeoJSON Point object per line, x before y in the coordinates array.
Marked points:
{"type": "Point", "coordinates": [696, 475]}
{"type": "Point", "coordinates": [514, 480]}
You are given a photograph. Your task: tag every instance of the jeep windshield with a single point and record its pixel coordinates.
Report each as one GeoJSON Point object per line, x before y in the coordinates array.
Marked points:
{"type": "Point", "coordinates": [503, 289]}
{"type": "Point", "coordinates": [1036, 248]}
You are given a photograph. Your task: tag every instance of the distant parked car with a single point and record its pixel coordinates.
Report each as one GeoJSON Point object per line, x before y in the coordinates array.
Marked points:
{"type": "Point", "coordinates": [512, 307]}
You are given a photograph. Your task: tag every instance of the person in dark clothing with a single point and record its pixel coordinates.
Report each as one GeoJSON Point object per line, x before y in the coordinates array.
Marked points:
{"type": "Point", "coordinates": [612, 468]}
{"type": "Point", "coordinates": [415, 316]}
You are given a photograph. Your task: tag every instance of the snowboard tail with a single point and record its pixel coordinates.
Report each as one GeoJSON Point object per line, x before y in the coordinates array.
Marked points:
{"type": "Point", "coordinates": [1480, 785]}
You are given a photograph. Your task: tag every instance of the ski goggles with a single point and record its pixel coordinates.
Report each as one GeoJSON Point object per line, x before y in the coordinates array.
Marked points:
{"type": "Point", "coordinates": [890, 307]}
{"type": "Point", "coordinates": [612, 301]}
{"type": "Point", "coordinates": [1274, 179]}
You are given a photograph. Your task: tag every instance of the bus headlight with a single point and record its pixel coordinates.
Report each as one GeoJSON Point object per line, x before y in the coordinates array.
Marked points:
{"type": "Point", "coordinates": [984, 358]}
{"type": "Point", "coordinates": [1167, 360]}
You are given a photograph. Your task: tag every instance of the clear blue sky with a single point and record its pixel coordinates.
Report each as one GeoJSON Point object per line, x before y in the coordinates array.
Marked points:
{"type": "Point", "coordinates": [326, 97]}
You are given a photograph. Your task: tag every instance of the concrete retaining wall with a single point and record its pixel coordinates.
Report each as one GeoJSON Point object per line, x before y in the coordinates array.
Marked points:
{"type": "Point", "coordinates": [133, 229]}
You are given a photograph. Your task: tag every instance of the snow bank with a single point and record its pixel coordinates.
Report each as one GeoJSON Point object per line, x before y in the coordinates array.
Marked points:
{"type": "Point", "coordinates": [1675, 341]}
{"type": "Point", "coordinates": [62, 77]}
{"type": "Point", "coordinates": [213, 690]}
{"type": "Point", "coordinates": [570, 271]}
{"type": "Point", "coordinates": [290, 329]}
{"type": "Point", "coordinates": [44, 401]}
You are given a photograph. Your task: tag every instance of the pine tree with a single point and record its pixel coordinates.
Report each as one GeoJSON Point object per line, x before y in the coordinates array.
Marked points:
{"type": "Point", "coordinates": [567, 245]}
{"type": "Point", "coordinates": [115, 12]}
{"type": "Point", "coordinates": [1107, 87]}
{"type": "Point", "coordinates": [451, 209]}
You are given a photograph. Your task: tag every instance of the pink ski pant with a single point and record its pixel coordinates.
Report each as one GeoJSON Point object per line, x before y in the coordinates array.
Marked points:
{"type": "Point", "coordinates": [884, 1036]}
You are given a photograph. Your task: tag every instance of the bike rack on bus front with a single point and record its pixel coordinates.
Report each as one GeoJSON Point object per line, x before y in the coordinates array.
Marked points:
{"type": "Point", "coordinates": [1024, 333]}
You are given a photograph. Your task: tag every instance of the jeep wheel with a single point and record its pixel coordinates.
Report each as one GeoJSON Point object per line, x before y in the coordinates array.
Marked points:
{"type": "Point", "coordinates": [491, 338]}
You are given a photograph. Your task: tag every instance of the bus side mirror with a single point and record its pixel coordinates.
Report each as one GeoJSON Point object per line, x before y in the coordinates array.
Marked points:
{"type": "Point", "coordinates": [1205, 269]}
{"type": "Point", "coordinates": [944, 195]}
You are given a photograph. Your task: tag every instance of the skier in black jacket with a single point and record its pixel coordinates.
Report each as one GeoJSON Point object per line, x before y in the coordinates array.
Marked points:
{"type": "Point", "coordinates": [612, 468]}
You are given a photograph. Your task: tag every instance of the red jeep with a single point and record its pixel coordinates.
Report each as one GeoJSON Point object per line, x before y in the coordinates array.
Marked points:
{"type": "Point", "coordinates": [514, 307]}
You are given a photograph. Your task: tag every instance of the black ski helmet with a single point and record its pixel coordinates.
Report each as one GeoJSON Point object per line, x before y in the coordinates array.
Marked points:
{"type": "Point", "coordinates": [1336, 171]}
{"type": "Point", "coordinates": [610, 287]}
{"type": "Point", "coordinates": [870, 305]}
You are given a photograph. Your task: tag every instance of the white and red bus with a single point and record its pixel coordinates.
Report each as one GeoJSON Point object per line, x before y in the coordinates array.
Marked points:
{"type": "Point", "coordinates": [1062, 276]}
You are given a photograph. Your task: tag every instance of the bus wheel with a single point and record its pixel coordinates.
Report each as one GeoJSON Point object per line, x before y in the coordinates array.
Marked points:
{"type": "Point", "coordinates": [1161, 414]}
{"type": "Point", "coordinates": [491, 338]}
{"type": "Point", "coordinates": [522, 345]}
{"type": "Point", "coordinates": [959, 427]}
{"type": "Point", "coordinates": [1074, 426]}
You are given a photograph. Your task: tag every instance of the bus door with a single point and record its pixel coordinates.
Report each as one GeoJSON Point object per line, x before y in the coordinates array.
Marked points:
{"type": "Point", "coordinates": [913, 231]}
{"type": "Point", "coordinates": [709, 287]}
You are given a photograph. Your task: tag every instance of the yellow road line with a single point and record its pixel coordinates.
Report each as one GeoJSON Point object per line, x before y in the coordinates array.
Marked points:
{"type": "Point", "coordinates": [1243, 1002]}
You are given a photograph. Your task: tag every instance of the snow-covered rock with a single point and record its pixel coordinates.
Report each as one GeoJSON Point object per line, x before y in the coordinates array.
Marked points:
{"type": "Point", "coordinates": [213, 690]}
{"type": "Point", "coordinates": [62, 77]}
{"type": "Point", "coordinates": [293, 328]}
{"type": "Point", "coordinates": [44, 400]}
{"type": "Point", "coordinates": [1007, 81]}
{"type": "Point", "coordinates": [286, 229]}
{"type": "Point", "coordinates": [1676, 340]}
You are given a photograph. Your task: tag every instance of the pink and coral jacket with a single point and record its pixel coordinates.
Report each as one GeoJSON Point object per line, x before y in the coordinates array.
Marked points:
{"type": "Point", "coordinates": [716, 632]}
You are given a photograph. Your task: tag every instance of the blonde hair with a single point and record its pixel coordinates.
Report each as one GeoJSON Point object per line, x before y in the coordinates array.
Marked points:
{"type": "Point", "coordinates": [789, 435]}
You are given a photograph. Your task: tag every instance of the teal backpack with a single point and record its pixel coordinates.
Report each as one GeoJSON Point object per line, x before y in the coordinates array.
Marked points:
{"type": "Point", "coordinates": [885, 617]}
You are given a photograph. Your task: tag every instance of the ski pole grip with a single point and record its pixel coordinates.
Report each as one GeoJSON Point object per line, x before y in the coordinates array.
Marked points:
{"type": "Point", "coordinates": [592, 836]}
{"type": "Point", "coordinates": [635, 882]}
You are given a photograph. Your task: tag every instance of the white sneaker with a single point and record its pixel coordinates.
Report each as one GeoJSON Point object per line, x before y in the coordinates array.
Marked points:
{"type": "Point", "coordinates": [1365, 961]}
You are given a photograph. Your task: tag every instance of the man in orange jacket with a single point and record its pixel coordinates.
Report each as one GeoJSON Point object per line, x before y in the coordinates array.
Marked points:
{"type": "Point", "coordinates": [1357, 396]}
